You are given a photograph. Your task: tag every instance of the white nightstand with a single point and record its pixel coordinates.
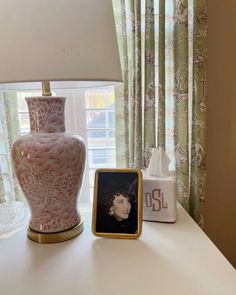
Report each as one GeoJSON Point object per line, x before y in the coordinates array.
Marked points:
{"type": "Point", "coordinates": [168, 259]}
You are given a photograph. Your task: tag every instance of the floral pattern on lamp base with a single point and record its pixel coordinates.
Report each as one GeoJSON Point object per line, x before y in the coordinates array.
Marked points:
{"type": "Point", "coordinates": [49, 165]}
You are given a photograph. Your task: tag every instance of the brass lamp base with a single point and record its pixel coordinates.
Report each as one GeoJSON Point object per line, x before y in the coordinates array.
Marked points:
{"type": "Point", "coordinates": [49, 238]}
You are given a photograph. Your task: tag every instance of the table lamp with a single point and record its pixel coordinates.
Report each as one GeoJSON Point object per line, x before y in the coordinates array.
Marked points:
{"type": "Point", "coordinates": [56, 40]}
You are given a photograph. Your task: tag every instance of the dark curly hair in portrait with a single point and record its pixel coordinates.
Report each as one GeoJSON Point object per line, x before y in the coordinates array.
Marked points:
{"type": "Point", "coordinates": [109, 198]}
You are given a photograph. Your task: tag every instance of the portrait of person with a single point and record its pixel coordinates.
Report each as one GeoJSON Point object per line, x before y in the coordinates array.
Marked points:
{"type": "Point", "coordinates": [117, 202]}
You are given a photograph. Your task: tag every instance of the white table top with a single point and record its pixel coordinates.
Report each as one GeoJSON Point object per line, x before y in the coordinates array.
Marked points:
{"type": "Point", "coordinates": [168, 259]}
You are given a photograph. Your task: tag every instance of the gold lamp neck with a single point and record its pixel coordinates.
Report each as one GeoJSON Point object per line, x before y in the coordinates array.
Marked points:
{"type": "Point", "coordinates": [46, 88]}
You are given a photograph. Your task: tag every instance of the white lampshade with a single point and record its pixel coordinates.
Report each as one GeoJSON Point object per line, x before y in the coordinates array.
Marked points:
{"type": "Point", "coordinates": [58, 40]}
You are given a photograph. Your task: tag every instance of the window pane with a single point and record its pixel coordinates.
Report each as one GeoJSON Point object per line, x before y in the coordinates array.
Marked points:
{"type": "Point", "coordinates": [99, 98]}
{"type": "Point", "coordinates": [91, 177]}
{"type": "Point", "coordinates": [24, 122]}
{"type": "Point", "coordinates": [100, 119]}
{"type": "Point", "coordinates": [94, 100]}
{"type": "Point", "coordinates": [21, 102]}
{"type": "Point", "coordinates": [112, 134]}
{"type": "Point", "coordinates": [96, 119]}
{"type": "Point", "coordinates": [101, 158]}
{"type": "Point", "coordinates": [99, 141]}
{"type": "Point", "coordinates": [111, 116]}
{"type": "Point", "coordinates": [91, 195]}
{"type": "Point", "coordinates": [96, 134]}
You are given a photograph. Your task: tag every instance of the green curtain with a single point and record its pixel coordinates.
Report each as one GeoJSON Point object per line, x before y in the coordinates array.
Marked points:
{"type": "Point", "coordinates": [9, 131]}
{"type": "Point", "coordinates": [162, 101]}
{"type": "Point", "coordinates": [181, 93]}
{"type": "Point", "coordinates": [199, 107]}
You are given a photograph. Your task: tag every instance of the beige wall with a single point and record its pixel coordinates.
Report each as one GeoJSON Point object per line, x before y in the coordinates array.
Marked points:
{"type": "Point", "coordinates": [221, 132]}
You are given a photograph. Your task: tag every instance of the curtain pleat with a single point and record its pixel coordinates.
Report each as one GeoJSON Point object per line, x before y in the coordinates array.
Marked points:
{"type": "Point", "coordinates": [181, 129]}
{"type": "Point", "coordinates": [161, 131]}
{"type": "Point", "coordinates": [199, 106]}
{"type": "Point", "coordinates": [122, 91]}
{"type": "Point", "coordinates": [137, 99]}
{"type": "Point", "coordinates": [149, 85]}
{"type": "Point", "coordinates": [129, 101]}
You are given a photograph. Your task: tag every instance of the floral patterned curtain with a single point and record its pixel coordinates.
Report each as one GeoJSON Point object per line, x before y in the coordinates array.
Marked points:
{"type": "Point", "coordinates": [163, 98]}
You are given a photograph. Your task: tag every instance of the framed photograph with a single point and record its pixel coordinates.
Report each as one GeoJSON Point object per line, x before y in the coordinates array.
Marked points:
{"type": "Point", "coordinates": [117, 203]}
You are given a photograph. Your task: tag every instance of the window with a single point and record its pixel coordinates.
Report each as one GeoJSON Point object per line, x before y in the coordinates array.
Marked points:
{"type": "Point", "coordinates": [100, 130]}
{"type": "Point", "coordinates": [91, 114]}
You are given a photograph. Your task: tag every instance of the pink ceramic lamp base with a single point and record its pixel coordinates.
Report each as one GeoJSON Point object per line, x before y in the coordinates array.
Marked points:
{"type": "Point", "coordinates": [49, 165]}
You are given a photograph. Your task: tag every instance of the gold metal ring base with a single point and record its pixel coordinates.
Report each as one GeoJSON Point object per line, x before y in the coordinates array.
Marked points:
{"type": "Point", "coordinates": [57, 237]}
